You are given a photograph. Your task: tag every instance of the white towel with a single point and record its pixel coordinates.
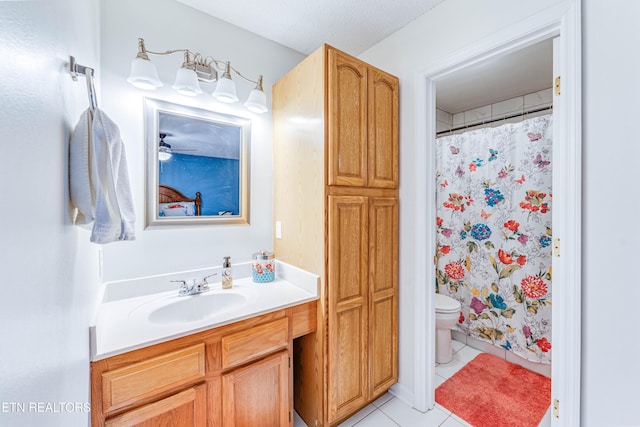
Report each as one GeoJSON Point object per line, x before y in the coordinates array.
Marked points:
{"type": "Point", "coordinates": [99, 179]}
{"type": "Point", "coordinates": [80, 178]}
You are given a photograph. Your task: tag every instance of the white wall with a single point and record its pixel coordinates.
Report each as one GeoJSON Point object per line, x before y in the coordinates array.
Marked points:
{"type": "Point", "coordinates": [166, 24]}
{"type": "Point", "coordinates": [610, 372]}
{"type": "Point", "coordinates": [610, 345]}
{"type": "Point", "coordinates": [436, 35]}
{"type": "Point", "coordinates": [49, 274]}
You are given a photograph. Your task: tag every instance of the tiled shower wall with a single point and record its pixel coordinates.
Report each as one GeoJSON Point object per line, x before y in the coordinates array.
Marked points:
{"type": "Point", "coordinates": [476, 118]}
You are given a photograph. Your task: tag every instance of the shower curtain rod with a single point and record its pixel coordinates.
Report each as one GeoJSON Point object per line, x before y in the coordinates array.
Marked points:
{"type": "Point", "coordinates": [495, 120]}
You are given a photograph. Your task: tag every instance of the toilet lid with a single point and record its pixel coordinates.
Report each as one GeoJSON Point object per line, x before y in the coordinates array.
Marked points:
{"type": "Point", "coordinates": [446, 304]}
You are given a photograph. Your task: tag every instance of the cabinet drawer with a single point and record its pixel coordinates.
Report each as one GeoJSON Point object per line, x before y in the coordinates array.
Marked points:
{"type": "Point", "coordinates": [126, 385]}
{"type": "Point", "coordinates": [255, 342]}
{"type": "Point", "coordinates": [184, 409]}
{"type": "Point", "coordinates": [303, 319]}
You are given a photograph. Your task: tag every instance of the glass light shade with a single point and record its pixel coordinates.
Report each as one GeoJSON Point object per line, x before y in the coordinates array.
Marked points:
{"type": "Point", "coordinates": [164, 154]}
{"type": "Point", "coordinates": [187, 82]}
{"type": "Point", "coordinates": [257, 101]}
{"type": "Point", "coordinates": [143, 74]}
{"type": "Point", "coordinates": [225, 90]}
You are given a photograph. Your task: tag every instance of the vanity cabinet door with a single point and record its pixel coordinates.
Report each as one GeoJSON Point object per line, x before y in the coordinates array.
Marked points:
{"type": "Point", "coordinates": [184, 409]}
{"type": "Point", "coordinates": [258, 394]}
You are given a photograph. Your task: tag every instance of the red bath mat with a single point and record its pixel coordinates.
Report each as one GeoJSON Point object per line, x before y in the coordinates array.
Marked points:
{"type": "Point", "coordinates": [489, 391]}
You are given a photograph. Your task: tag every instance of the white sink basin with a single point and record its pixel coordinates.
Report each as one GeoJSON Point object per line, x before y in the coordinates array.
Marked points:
{"type": "Point", "coordinates": [195, 308]}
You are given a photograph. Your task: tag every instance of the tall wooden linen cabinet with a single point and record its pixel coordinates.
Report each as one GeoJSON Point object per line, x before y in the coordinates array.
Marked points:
{"type": "Point", "coordinates": [336, 214]}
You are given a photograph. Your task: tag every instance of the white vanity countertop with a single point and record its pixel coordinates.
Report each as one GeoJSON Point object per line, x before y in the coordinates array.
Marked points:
{"type": "Point", "coordinates": [121, 323]}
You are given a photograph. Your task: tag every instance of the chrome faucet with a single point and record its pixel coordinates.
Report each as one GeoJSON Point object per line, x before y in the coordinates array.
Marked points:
{"type": "Point", "coordinates": [189, 287]}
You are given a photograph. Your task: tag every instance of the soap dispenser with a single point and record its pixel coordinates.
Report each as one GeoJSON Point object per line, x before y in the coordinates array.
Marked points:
{"type": "Point", "coordinates": [227, 274]}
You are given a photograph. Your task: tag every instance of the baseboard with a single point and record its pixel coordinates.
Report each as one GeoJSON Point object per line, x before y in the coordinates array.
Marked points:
{"type": "Point", "coordinates": [403, 393]}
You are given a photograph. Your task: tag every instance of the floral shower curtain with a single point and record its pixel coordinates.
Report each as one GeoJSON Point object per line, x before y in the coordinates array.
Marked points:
{"type": "Point", "coordinates": [494, 233]}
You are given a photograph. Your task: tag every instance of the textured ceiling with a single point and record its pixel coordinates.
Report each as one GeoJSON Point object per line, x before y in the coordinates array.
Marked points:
{"type": "Point", "coordinates": [303, 25]}
{"type": "Point", "coordinates": [356, 25]}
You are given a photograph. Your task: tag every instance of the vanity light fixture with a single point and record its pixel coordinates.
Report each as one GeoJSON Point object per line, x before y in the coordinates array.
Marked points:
{"type": "Point", "coordinates": [186, 79]}
{"type": "Point", "coordinates": [195, 69]}
{"type": "Point", "coordinates": [226, 88]}
{"type": "Point", "coordinates": [257, 101]}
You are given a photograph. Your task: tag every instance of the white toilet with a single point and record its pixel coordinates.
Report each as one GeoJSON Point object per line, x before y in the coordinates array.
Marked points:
{"type": "Point", "coordinates": [447, 315]}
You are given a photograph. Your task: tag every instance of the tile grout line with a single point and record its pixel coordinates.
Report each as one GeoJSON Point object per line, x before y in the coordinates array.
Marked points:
{"type": "Point", "coordinates": [385, 414]}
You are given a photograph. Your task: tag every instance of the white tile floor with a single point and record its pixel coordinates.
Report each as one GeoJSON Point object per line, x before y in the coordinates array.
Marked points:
{"type": "Point", "coordinates": [389, 411]}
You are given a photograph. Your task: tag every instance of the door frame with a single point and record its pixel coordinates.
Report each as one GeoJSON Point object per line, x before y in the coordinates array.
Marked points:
{"type": "Point", "coordinates": [561, 20]}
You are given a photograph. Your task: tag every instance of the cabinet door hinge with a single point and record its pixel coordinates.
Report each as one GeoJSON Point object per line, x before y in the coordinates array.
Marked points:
{"type": "Point", "coordinates": [289, 361]}
{"type": "Point", "coordinates": [557, 86]}
{"type": "Point", "coordinates": [289, 417]}
{"type": "Point", "coordinates": [556, 408]}
{"type": "Point", "coordinates": [556, 247]}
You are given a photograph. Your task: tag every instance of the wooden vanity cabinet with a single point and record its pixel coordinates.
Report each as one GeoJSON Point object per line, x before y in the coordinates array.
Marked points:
{"type": "Point", "coordinates": [238, 375]}
{"type": "Point", "coordinates": [336, 198]}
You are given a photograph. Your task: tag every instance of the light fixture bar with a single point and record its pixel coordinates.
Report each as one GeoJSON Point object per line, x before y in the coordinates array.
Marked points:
{"type": "Point", "coordinates": [205, 72]}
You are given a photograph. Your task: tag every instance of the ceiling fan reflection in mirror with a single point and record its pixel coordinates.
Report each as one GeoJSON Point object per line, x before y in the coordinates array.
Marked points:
{"type": "Point", "coordinates": [164, 149]}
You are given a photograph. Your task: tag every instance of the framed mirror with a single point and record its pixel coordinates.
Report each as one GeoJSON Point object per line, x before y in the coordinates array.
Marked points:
{"type": "Point", "coordinates": [197, 166]}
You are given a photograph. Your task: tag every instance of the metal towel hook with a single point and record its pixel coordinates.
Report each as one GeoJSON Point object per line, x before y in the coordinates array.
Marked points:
{"type": "Point", "coordinates": [76, 69]}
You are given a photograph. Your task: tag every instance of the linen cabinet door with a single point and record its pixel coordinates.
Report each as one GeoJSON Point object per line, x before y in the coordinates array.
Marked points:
{"type": "Point", "coordinates": [347, 305]}
{"type": "Point", "coordinates": [383, 130]}
{"type": "Point", "coordinates": [258, 394]}
{"type": "Point", "coordinates": [347, 120]}
{"type": "Point", "coordinates": [383, 294]}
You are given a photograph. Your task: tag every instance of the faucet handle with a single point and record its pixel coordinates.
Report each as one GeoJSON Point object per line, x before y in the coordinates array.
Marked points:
{"type": "Point", "coordinates": [204, 285]}
{"type": "Point", "coordinates": [185, 289]}
{"type": "Point", "coordinates": [204, 279]}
